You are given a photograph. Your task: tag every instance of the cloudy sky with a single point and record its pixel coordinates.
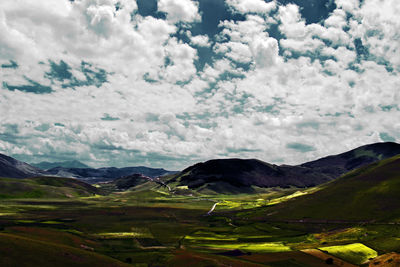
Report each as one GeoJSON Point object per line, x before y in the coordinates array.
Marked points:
{"type": "Point", "coordinates": [171, 82]}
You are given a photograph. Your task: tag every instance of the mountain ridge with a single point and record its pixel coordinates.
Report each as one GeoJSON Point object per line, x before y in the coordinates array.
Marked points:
{"type": "Point", "coordinates": [45, 165]}
{"type": "Point", "coordinates": [243, 173]}
{"type": "Point", "coordinates": [11, 167]}
{"type": "Point", "coordinates": [233, 174]}
{"type": "Point", "coordinates": [93, 175]}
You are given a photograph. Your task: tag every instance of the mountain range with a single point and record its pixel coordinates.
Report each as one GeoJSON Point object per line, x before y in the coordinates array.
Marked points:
{"type": "Point", "coordinates": [12, 168]}
{"type": "Point", "coordinates": [221, 175]}
{"type": "Point", "coordinates": [240, 175]}
{"type": "Point", "coordinates": [92, 175]}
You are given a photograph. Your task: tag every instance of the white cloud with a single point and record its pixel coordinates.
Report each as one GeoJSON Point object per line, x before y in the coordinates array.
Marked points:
{"type": "Point", "coordinates": [380, 29]}
{"type": "Point", "coordinates": [236, 51]}
{"type": "Point", "coordinates": [180, 10]}
{"type": "Point", "coordinates": [265, 51]}
{"type": "Point", "coordinates": [182, 58]}
{"type": "Point", "coordinates": [292, 25]}
{"type": "Point", "coordinates": [201, 40]}
{"type": "Point", "coordinates": [249, 42]}
{"type": "Point", "coordinates": [297, 32]}
{"type": "Point", "coordinates": [13, 44]}
{"type": "Point", "coordinates": [253, 6]}
{"type": "Point", "coordinates": [348, 5]}
{"type": "Point", "coordinates": [337, 19]}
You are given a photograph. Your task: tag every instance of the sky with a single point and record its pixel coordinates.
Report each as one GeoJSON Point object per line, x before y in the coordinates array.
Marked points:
{"type": "Point", "coordinates": [168, 83]}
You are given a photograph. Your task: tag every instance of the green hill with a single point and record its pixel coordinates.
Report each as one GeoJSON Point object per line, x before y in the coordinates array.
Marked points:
{"type": "Point", "coordinates": [44, 187]}
{"type": "Point", "coordinates": [371, 193]}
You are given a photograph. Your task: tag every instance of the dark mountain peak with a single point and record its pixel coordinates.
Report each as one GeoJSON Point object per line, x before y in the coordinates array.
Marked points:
{"type": "Point", "coordinates": [6, 158]}
{"type": "Point", "coordinates": [12, 168]}
{"type": "Point", "coordinates": [384, 148]}
{"type": "Point", "coordinates": [228, 166]}
{"type": "Point", "coordinates": [233, 173]}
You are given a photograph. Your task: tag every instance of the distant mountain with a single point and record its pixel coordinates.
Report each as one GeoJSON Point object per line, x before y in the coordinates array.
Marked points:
{"type": "Point", "coordinates": [44, 165]}
{"type": "Point", "coordinates": [368, 193]}
{"type": "Point", "coordinates": [240, 175]}
{"type": "Point", "coordinates": [91, 175]}
{"type": "Point", "coordinates": [12, 168]}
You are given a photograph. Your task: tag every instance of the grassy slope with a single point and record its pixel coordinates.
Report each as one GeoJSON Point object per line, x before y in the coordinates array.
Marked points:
{"type": "Point", "coordinates": [44, 187]}
{"type": "Point", "coordinates": [21, 251]}
{"type": "Point", "coordinates": [368, 193]}
{"type": "Point", "coordinates": [355, 253]}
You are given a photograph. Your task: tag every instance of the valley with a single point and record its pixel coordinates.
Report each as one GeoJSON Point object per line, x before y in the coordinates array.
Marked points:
{"type": "Point", "coordinates": [353, 220]}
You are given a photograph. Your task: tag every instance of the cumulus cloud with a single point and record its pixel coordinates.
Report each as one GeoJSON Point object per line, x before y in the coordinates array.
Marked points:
{"type": "Point", "coordinates": [265, 51]}
{"type": "Point", "coordinates": [252, 6]}
{"type": "Point", "coordinates": [200, 40]}
{"type": "Point", "coordinates": [180, 10]}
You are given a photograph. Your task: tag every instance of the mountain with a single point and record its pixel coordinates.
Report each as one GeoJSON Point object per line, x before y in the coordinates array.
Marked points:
{"type": "Point", "coordinates": [44, 165]}
{"type": "Point", "coordinates": [44, 187]}
{"type": "Point", "coordinates": [10, 167]}
{"type": "Point", "coordinates": [336, 165]}
{"type": "Point", "coordinates": [241, 175]}
{"type": "Point", "coordinates": [368, 193]}
{"type": "Point", "coordinates": [91, 175]}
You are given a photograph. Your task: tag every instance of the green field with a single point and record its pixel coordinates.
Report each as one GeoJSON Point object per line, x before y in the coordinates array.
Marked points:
{"type": "Point", "coordinates": [355, 253]}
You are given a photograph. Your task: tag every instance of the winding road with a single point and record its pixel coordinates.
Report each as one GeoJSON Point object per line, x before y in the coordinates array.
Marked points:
{"type": "Point", "coordinates": [212, 209]}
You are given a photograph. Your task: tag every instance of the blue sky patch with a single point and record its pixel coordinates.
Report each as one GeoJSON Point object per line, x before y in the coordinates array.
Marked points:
{"type": "Point", "coordinates": [386, 137]}
{"type": "Point", "coordinates": [31, 87]}
{"type": "Point", "coordinates": [107, 117]}
{"type": "Point", "coordinates": [303, 148]}
{"type": "Point", "coordinates": [59, 72]}
{"type": "Point", "coordinates": [11, 65]}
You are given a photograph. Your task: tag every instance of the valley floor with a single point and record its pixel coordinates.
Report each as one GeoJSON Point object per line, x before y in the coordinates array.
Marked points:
{"type": "Point", "coordinates": [155, 228]}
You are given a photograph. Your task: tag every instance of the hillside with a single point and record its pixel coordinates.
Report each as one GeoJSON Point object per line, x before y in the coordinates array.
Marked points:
{"type": "Point", "coordinates": [31, 252]}
{"type": "Point", "coordinates": [44, 187]}
{"type": "Point", "coordinates": [371, 193]}
{"type": "Point", "coordinates": [337, 165]}
{"type": "Point", "coordinates": [241, 175]}
{"type": "Point", "coordinates": [10, 167]}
